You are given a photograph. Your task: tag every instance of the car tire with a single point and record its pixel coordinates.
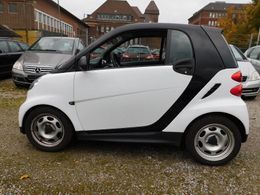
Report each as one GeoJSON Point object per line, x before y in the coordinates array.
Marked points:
{"type": "Point", "coordinates": [48, 129]}
{"type": "Point", "coordinates": [213, 140]}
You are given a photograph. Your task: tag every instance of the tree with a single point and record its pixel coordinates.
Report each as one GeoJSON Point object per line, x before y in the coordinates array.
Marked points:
{"type": "Point", "coordinates": [239, 24]}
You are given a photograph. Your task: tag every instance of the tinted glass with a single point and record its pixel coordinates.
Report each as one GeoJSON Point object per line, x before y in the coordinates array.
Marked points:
{"type": "Point", "coordinates": [3, 46]}
{"type": "Point", "coordinates": [180, 47]}
{"type": "Point", "coordinates": [14, 47]}
{"type": "Point", "coordinates": [49, 44]}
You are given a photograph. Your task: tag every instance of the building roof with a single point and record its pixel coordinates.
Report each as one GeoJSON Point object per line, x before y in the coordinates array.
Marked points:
{"type": "Point", "coordinates": [7, 32]}
{"type": "Point", "coordinates": [219, 6]}
{"type": "Point", "coordinates": [137, 10]}
{"type": "Point", "coordinates": [152, 8]}
{"type": "Point", "coordinates": [67, 12]}
{"type": "Point", "coordinates": [117, 6]}
{"type": "Point", "coordinates": [222, 6]}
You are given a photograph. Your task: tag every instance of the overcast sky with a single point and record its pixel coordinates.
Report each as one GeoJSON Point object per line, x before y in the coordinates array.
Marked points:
{"type": "Point", "coordinates": [173, 11]}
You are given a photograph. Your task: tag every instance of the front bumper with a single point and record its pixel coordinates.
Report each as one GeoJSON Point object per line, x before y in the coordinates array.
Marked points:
{"type": "Point", "coordinates": [251, 88]}
{"type": "Point", "coordinates": [22, 78]}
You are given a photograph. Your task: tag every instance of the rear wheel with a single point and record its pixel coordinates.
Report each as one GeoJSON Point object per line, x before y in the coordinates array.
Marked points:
{"type": "Point", "coordinates": [48, 129]}
{"type": "Point", "coordinates": [213, 140]}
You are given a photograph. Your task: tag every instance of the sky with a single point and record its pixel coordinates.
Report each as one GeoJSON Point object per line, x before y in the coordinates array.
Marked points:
{"type": "Point", "coordinates": [172, 11]}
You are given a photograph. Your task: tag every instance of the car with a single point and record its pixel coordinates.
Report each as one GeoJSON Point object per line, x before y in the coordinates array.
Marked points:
{"type": "Point", "coordinates": [10, 51]}
{"type": "Point", "coordinates": [251, 78]}
{"type": "Point", "coordinates": [43, 57]}
{"type": "Point", "coordinates": [253, 54]}
{"type": "Point", "coordinates": [190, 98]}
{"type": "Point", "coordinates": [137, 53]}
{"type": "Point", "coordinates": [156, 53]}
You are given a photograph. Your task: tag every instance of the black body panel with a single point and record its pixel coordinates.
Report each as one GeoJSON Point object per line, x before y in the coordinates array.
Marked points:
{"type": "Point", "coordinates": [150, 137]}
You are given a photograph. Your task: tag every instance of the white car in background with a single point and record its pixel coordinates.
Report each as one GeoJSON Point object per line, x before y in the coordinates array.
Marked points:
{"type": "Point", "coordinates": [253, 55]}
{"type": "Point", "coordinates": [251, 78]}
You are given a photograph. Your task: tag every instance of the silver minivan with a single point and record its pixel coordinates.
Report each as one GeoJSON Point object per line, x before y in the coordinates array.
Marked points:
{"type": "Point", "coordinates": [43, 57]}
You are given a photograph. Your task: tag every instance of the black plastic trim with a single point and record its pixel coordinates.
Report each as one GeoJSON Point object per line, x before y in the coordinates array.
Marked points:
{"type": "Point", "coordinates": [212, 90]}
{"type": "Point", "coordinates": [147, 137]}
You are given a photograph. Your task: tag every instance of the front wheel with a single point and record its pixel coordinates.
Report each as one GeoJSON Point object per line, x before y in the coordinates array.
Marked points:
{"type": "Point", "coordinates": [48, 129]}
{"type": "Point", "coordinates": [213, 140]}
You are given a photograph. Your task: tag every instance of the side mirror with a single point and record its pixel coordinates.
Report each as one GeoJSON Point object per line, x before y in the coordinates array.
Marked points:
{"type": "Point", "coordinates": [83, 63]}
{"type": "Point", "coordinates": [1, 51]}
{"type": "Point", "coordinates": [77, 51]}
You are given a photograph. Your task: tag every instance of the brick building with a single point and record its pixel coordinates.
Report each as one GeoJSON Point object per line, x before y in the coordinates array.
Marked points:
{"type": "Point", "coordinates": [35, 18]}
{"type": "Point", "coordinates": [115, 13]}
{"type": "Point", "coordinates": [213, 12]}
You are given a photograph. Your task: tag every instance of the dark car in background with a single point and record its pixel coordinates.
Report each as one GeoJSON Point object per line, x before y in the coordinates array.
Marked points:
{"type": "Point", "coordinates": [43, 57]}
{"type": "Point", "coordinates": [137, 53]}
{"type": "Point", "coordinates": [10, 51]}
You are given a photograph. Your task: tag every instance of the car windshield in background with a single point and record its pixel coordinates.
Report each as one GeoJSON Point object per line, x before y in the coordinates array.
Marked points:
{"type": "Point", "coordinates": [138, 50]}
{"type": "Point", "coordinates": [237, 53]}
{"type": "Point", "coordinates": [62, 45]}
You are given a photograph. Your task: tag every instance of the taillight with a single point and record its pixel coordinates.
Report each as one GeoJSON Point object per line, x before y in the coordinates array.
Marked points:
{"type": "Point", "coordinates": [149, 57]}
{"type": "Point", "coordinates": [125, 56]}
{"type": "Point", "coordinates": [237, 77]}
{"type": "Point", "coordinates": [237, 91]}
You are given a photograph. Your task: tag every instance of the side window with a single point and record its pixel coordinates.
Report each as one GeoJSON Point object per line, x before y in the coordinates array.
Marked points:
{"type": "Point", "coordinates": [180, 47]}
{"type": "Point", "coordinates": [24, 46]}
{"type": "Point", "coordinates": [255, 53]}
{"type": "Point", "coordinates": [142, 51]}
{"type": "Point", "coordinates": [81, 46]}
{"type": "Point", "coordinates": [132, 49]}
{"type": "Point", "coordinates": [3, 47]}
{"type": "Point", "coordinates": [14, 46]}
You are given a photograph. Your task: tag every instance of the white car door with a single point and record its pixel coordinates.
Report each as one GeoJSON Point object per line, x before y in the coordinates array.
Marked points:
{"type": "Point", "coordinates": [130, 97]}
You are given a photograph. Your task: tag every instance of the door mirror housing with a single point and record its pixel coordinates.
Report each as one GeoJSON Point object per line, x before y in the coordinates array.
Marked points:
{"type": "Point", "coordinates": [83, 63]}
{"type": "Point", "coordinates": [1, 51]}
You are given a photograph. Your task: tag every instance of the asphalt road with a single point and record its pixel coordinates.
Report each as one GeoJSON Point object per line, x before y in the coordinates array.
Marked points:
{"type": "Point", "coordinates": [117, 168]}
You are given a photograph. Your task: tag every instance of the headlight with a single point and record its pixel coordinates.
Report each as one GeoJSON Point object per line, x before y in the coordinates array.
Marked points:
{"type": "Point", "coordinates": [254, 76]}
{"type": "Point", "coordinates": [18, 65]}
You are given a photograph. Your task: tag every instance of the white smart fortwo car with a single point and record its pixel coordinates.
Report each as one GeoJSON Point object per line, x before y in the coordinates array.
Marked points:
{"type": "Point", "coordinates": [189, 94]}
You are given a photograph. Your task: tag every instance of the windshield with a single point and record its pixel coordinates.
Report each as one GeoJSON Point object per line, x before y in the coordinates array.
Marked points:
{"type": "Point", "coordinates": [62, 45]}
{"type": "Point", "coordinates": [237, 53]}
{"type": "Point", "coordinates": [138, 50]}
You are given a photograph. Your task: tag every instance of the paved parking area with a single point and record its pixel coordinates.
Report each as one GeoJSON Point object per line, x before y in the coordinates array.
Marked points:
{"type": "Point", "coordinates": [117, 168]}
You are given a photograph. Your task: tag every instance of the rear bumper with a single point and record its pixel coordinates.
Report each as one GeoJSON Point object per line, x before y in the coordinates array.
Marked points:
{"type": "Point", "coordinates": [251, 88]}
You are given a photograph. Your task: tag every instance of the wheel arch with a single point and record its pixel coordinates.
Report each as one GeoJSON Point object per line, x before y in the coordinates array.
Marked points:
{"type": "Point", "coordinates": [237, 122]}
{"type": "Point", "coordinates": [38, 106]}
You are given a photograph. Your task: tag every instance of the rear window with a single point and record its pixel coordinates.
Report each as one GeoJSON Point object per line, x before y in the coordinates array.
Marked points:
{"type": "Point", "coordinates": [180, 47]}
{"type": "Point", "coordinates": [138, 50]}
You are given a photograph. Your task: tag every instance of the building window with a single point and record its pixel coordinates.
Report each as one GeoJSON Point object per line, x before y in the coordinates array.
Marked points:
{"type": "Point", "coordinates": [1, 7]}
{"type": "Point", "coordinates": [36, 16]}
{"type": "Point", "coordinates": [12, 8]}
